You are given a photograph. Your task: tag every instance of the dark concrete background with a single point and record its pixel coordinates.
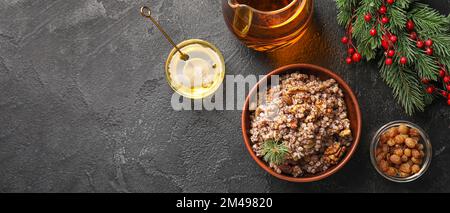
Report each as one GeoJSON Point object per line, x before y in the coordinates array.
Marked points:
{"type": "Point", "coordinates": [85, 107]}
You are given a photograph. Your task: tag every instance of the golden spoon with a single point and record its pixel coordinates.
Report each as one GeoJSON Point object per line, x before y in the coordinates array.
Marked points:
{"type": "Point", "coordinates": [145, 11]}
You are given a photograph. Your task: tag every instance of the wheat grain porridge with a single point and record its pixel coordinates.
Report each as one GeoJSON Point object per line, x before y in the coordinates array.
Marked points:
{"type": "Point", "coordinates": [302, 127]}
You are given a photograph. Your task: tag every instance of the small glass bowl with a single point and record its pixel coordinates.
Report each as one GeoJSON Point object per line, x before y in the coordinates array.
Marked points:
{"type": "Point", "coordinates": [424, 140]}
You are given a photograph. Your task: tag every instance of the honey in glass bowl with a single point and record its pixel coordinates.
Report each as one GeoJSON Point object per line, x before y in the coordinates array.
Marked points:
{"type": "Point", "coordinates": [266, 25]}
{"type": "Point", "coordinates": [201, 74]}
{"type": "Point", "coordinates": [195, 68]}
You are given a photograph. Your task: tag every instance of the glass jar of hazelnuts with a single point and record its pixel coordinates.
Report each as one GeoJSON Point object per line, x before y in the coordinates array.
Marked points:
{"type": "Point", "coordinates": [401, 151]}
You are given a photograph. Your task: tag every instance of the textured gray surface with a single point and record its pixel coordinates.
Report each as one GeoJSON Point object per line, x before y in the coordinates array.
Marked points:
{"type": "Point", "coordinates": [85, 107]}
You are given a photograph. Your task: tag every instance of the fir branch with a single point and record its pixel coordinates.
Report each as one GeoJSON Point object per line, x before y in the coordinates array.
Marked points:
{"type": "Point", "coordinates": [445, 61]}
{"type": "Point", "coordinates": [426, 66]}
{"type": "Point", "coordinates": [441, 45]}
{"type": "Point", "coordinates": [405, 79]}
{"type": "Point", "coordinates": [428, 20]}
{"type": "Point", "coordinates": [430, 24]}
{"type": "Point", "coordinates": [403, 3]}
{"type": "Point", "coordinates": [405, 85]}
{"type": "Point", "coordinates": [407, 47]}
{"type": "Point", "coordinates": [407, 89]}
{"type": "Point", "coordinates": [274, 152]}
{"type": "Point", "coordinates": [345, 12]}
{"type": "Point", "coordinates": [368, 44]}
{"type": "Point", "coordinates": [397, 19]}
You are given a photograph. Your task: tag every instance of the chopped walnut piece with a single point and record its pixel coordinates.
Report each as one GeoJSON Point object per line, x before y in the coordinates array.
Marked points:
{"type": "Point", "coordinates": [298, 89]}
{"type": "Point", "coordinates": [345, 133]}
{"type": "Point", "coordinates": [287, 99]}
{"type": "Point", "coordinates": [334, 153]}
{"type": "Point", "coordinates": [258, 110]}
{"type": "Point", "coordinates": [296, 171]}
{"type": "Point", "coordinates": [286, 168]}
{"type": "Point", "coordinates": [293, 124]}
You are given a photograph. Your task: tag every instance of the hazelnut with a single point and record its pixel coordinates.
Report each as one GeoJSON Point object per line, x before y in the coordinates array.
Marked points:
{"type": "Point", "coordinates": [398, 152]}
{"type": "Point", "coordinates": [380, 156]}
{"type": "Point", "coordinates": [399, 139]}
{"type": "Point", "coordinates": [378, 150]}
{"type": "Point", "coordinates": [406, 168]}
{"type": "Point", "coordinates": [402, 174]}
{"type": "Point", "coordinates": [415, 168]}
{"type": "Point", "coordinates": [392, 132]}
{"type": "Point", "coordinates": [404, 159]}
{"type": "Point", "coordinates": [415, 138]}
{"type": "Point", "coordinates": [403, 129]}
{"type": "Point", "coordinates": [410, 162]}
{"type": "Point", "coordinates": [411, 143]}
{"type": "Point", "coordinates": [422, 153]}
{"type": "Point", "coordinates": [416, 154]}
{"type": "Point", "coordinates": [391, 171]}
{"type": "Point", "coordinates": [414, 132]}
{"type": "Point", "coordinates": [385, 148]}
{"type": "Point", "coordinates": [391, 142]}
{"type": "Point", "coordinates": [416, 160]}
{"type": "Point", "coordinates": [420, 146]}
{"type": "Point", "coordinates": [384, 138]}
{"type": "Point", "coordinates": [395, 159]}
{"type": "Point", "coordinates": [384, 165]}
{"type": "Point", "coordinates": [407, 152]}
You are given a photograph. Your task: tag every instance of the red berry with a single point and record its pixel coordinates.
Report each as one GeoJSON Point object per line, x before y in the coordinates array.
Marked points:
{"type": "Point", "coordinates": [425, 81]}
{"type": "Point", "coordinates": [393, 38]}
{"type": "Point", "coordinates": [420, 44]}
{"type": "Point", "coordinates": [429, 51]}
{"type": "Point", "coordinates": [391, 53]}
{"type": "Point", "coordinates": [348, 60]}
{"type": "Point", "coordinates": [382, 10]}
{"type": "Point", "coordinates": [428, 43]}
{"type": "Point", "coordinates": [448, 102]}
{"type": "Point", "coordinates": [448, 89]}
{"type": "Point", "coordinates": [344, 40]}
{"type": "Point", "coordinates": [385, 20]}
{"type": "Point", "coordinates": [388, 61]}
{"type": "Point", "coordinates": [403, 60]}
{"type": "Point", "coordinates": [373, 32]}
{"type": "Point", "coordinates": [390, 2]}
{"type": "Point", "coordinates": [368, 17]}
{"type": "Point", "coordinates": [430, 89]}
{"type": "Point", "coordinates": [444, 93]}
{"type": "Point", "coordinates": [385, 44]}
{"type": "Point", "coordinates": [447, 79]}
{"type": "Point", "coordinates": [413, 35]}
{"type": "Point", "coordinates": [356, 57]}
{"type": "Point", "coordinates": [442, 73]}
{"type": "Point", "coordinates": [410, 25]}
{"type": "Point", "coordinates": [350, 51]}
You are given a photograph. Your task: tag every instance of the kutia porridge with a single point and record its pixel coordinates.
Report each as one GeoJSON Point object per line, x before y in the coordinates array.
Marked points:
{"type": "Point", "coordinates": [301, 128]}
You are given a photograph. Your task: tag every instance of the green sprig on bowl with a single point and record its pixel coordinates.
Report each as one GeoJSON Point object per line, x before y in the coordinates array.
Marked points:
{"type": "Point", "coordinates": [274, 152]}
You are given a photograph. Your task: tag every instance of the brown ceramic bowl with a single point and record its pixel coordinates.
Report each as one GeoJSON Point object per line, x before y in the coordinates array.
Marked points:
{"type": "Point", "coordinates": [354, 116]}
